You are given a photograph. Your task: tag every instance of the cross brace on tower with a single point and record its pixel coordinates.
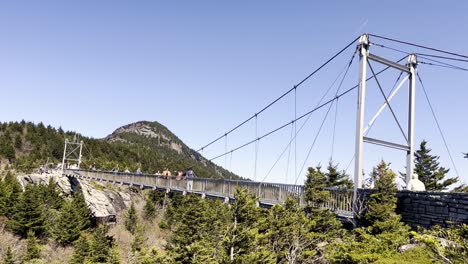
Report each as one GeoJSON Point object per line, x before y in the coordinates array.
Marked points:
{"type": "Point", "coordinates": [408, 146]}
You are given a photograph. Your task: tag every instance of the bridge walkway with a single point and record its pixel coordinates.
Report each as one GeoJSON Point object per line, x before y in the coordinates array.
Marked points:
{"type": "Point", "coordinates": [269, 194]}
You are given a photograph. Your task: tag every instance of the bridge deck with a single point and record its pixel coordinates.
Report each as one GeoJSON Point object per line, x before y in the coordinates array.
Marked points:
{"type": "Point", "coordinates": [269, 194]}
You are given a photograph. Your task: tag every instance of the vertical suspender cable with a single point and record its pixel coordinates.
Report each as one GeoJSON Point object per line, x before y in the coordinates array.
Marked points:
{"type": "Point", "coordinates": [295, 130]}
{"type": "Point", "coordinates": [289, 153]}
{"type": "Point", "coordinates": [256, 147]}
{"type": "Point", "coordinates": [225, 150]}
{"type": "Point", "coordinates": [315, 140]}
{"type": "Point", "coordinates": [334, 129]}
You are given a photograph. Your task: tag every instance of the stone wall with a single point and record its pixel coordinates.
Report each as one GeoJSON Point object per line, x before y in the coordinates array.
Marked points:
{"type": "Point", "coordinates": [432, 208]}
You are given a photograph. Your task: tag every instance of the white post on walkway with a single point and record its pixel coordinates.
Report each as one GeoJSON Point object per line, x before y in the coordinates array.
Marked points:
{"type": "Point", "coordinates": [363, 52]}
{"type": "Point", "coordinates": [412, 62]}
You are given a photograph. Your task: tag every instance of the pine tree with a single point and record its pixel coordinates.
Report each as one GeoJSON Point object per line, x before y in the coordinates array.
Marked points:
{"type": "Point", "coordinates": [8, 257]}
{"type": "Point", "coordinates": [33, 250]}
{"type": "Point", "coordinates": [337, 178]}
{"type": "Point", "coordinates": [101, 245]}
{"type": "Point", "coordinates": [81, 212]}
{"type": "Point", "coordinates": [67, 227]}
{"type": "Point", "coordinates": [149, 210]}
{"type": "Point", "coordinates": [151, 256]}
{"type": "Point", "coordinates": [198, 230]}
{"type": "Point", "coordinates": [242, 241]}
{"type": "Point", "coordinates": [139, 239]}
{"type": "Point", "coordinates": [462, 188]}
{"type": "Point", "coordinates": [382, 232]}
{"type": "Point", "coordinates": [429, 170]}
{"type": "Point", "coordinates": [288, 234]}
{"type": "Point", "coordinates": [157, 197]}
{"type": "Point", "coordinates": [314, 193]}
{"type": "Point", "coordinates": [51, 196]}
{"type": "Point", "coordinates": [10, 190]}
{"type": "Point", "coordinates": [131, 219]}
{"type": "Point", "coordinates": [114, 257]}
{"type": "Point", "coordinates": [82, 250]}
{"type": "Point", "coordinates": [380, 216]}
{"type": "Point", "coordinates": [28, 213]}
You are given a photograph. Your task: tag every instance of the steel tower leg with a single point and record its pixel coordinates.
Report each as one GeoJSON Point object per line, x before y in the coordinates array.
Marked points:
{"type": "Point", "coordinates": [363, 52]}
{"type": "Point", "coordinates": [412, 90]}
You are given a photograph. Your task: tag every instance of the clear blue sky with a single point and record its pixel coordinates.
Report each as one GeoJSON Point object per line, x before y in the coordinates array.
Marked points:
{"type": "Point", "coordinates": [201, 67]}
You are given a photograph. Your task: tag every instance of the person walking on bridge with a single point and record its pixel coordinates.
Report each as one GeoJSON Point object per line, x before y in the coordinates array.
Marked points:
{"type": "Point", "coordinates": [189, 175]}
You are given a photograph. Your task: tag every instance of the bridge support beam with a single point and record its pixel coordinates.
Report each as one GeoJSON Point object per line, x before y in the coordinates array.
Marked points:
{"type": "Point", "coordinates": [72, 154]}
{"type": "Point", "coordinates": [408, 146]}
{"type": "Point", "coordinates": [363, 53]}
{"type": "Point", "coordinates": [411, 107]}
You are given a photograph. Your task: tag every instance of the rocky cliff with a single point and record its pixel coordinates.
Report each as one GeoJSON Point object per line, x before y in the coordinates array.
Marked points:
{"type": "Point", "coordinates": [103, 202]}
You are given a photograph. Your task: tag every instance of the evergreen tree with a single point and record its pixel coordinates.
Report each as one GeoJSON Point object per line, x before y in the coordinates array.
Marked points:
{"type": "Point", "coordinates": [314, 193]}
{"type": "Point", "coordinates": [131, 219]}
{"type": "Point", "coordinates": [462, 188]}
{"type": "Point", "coordinates": [198, 230]}
{"type": "Point", "coordinates": [151, 256]}
{"type": "Point", "coordinates": [28, 213]}
{"type": "Point", "coordinates": [139, 239]}
{"type": "Point", "coordinates": [114, 257]}
{"type": "Point", "coordinates": [157, 197]}
{"type": "Point", "coordinates": [81, 211]}
{"type": "Point", "coordinates": [429, 170]}
{"type": "Point", "coordinates": [10, 190]}
{"type": "Point", "coordinates": [101, 245]}
{"type": "Point", "coordinates": [8, 257]}
{"type": "Point", "coordinates": [50, 195]}
{"type": "Point", "coordinates": [242, 241]}
{"type": "Point", "coordinates": [337, 178]}
{"type": "Point", "coordinates": [33, 250]}
{"type": "Point", "coordinates": [69, 224]}
{"type": "Point", "coordinates": [380, 216]}
{"type": "Point", "coordinates": [82, 250]}
{"type": "Point", "coordinates": [289, 234]}
{"type": "Point", "coordinates": [382, 232]}
{"type": "Point", "coordinates": [149, 210]}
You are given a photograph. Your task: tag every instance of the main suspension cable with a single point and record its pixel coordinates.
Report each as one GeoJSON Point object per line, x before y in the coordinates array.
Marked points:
{"type": "Point", "coordinates": [302, 116]}
{"type": "Point", "coordinates": [345, 71]}
{"type": "Point", "coordinates": [283, 95]}
{"type": "Point", "coordinates": [420, 46]}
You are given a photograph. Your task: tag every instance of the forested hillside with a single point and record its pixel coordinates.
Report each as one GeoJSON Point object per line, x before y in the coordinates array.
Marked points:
{"type": "Point", "coordinates": [148, 145]}
{"type": "Point", "coordinates": [172, 228]}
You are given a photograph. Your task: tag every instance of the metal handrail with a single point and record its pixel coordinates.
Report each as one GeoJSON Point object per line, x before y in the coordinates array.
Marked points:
{"type": "Point", "coordinates": [268, 193]}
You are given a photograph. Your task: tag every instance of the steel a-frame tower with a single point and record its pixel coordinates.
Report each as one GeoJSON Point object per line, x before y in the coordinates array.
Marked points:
{"type": "Point", "coordinates": [72, 152]}
{"type": "Point", "coordinates": [410, 70]}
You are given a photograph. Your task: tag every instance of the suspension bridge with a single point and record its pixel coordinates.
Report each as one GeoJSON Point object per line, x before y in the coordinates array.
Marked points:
{"type": "Point", "coordinates": [341, 201]}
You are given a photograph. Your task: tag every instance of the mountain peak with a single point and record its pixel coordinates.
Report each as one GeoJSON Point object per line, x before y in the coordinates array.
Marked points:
{"type": "Point", "coordinates": [144, 132]}
{"type": "Point", "coordinates": [153, 137]}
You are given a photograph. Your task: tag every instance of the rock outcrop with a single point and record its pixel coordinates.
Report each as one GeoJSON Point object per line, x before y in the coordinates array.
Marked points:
{"type": "Point", "coordinates": [62, 182]}
{"type": "Point", "coordinates": [103, 202]}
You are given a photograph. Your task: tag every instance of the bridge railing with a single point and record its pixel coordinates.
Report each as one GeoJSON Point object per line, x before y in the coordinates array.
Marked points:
{"type": "Point", "coordinates": [340, 200]}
